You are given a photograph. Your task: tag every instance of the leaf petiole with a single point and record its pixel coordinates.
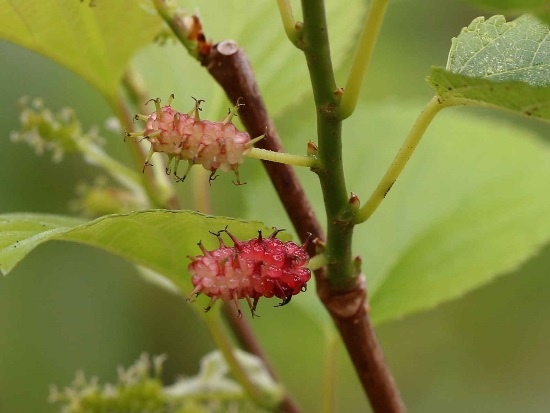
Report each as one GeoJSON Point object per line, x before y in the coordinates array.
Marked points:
{"type": "Point", "coordinates": [290, 25]}
{"type": "Point", "coordinates": [319, 261]}
{"type": "Point", "coordinates": [280, 157]}
{"type": "Point", "coordinates": [403, 155]}
{"type": "Point", "coordinates": [362, 57]}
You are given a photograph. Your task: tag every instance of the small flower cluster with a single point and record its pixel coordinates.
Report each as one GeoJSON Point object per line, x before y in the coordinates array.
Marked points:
{"type": "Point", "coordinates": [184, 136]}
{"type": "Point", "coordinates": [261, 267]}
{"type": "Point", "coordinates": [47, 131]}
{"type": "Point", "coordinates": [139, 388]}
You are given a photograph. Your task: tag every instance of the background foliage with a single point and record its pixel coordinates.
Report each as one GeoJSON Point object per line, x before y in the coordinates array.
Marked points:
{"type": "Point", "coordinates": [70, 307]}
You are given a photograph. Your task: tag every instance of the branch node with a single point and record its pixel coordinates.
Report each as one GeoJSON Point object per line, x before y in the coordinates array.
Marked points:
{"type": "Point", "coordinates": [227, 47]}
{"type": "Point", "coordinates": [346, 304]}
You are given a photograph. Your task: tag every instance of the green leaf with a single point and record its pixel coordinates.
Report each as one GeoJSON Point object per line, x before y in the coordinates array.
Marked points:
{"type": "Point", "coordinates": [21, 233]}
{"type": "Point", "coordinates": [471, 204]}
{"type": "Point", "coordinates": [94, 42]}
{"type": "Point", "coordinates": [468, 207]}
{"type": "Point", "coordinates": [280, 67]}
{"type": "Point", "coordinates": [160, 240]}
{"type": "Point", "coordinates": [498, 50]}
{"type": "Point", "coordinates": [515, 96]}
{"type": "Point", "coordinates": [500, 64]}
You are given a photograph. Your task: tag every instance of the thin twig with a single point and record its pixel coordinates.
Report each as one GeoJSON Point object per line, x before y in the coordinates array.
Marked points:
{"type": "Point", "coordinates": [329, 374]}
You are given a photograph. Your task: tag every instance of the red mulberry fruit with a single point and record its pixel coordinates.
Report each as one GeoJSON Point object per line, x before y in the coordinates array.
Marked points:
{"type": "Point", "coordinates": [260, 267]}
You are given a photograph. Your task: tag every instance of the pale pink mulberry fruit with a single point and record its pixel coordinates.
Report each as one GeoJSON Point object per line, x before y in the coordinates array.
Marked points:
{"type": "Point", "coordinates": [184, 136]}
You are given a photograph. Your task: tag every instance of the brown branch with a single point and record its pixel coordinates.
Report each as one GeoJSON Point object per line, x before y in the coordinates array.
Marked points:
{"type": "Point", "coordinates": [228, 64]}
{"type": "Point", "coordinates": [349, 312]}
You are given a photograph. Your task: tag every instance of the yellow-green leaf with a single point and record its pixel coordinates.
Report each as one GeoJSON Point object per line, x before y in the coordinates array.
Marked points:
{"type": "Point", "coordinates": [94, 42]}
{"type": "Point", "coordinates": [160, 240]}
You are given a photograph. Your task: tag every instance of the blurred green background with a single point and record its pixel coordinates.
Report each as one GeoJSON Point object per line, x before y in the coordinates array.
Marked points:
{"type": "Point", "coordinates": [69, 307]}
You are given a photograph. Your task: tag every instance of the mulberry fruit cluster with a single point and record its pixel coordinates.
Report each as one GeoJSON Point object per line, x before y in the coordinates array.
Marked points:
{"type": "Point", "coordinates": [260, 267]}
{"type": "Point", "coordinates": [184, 136]}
